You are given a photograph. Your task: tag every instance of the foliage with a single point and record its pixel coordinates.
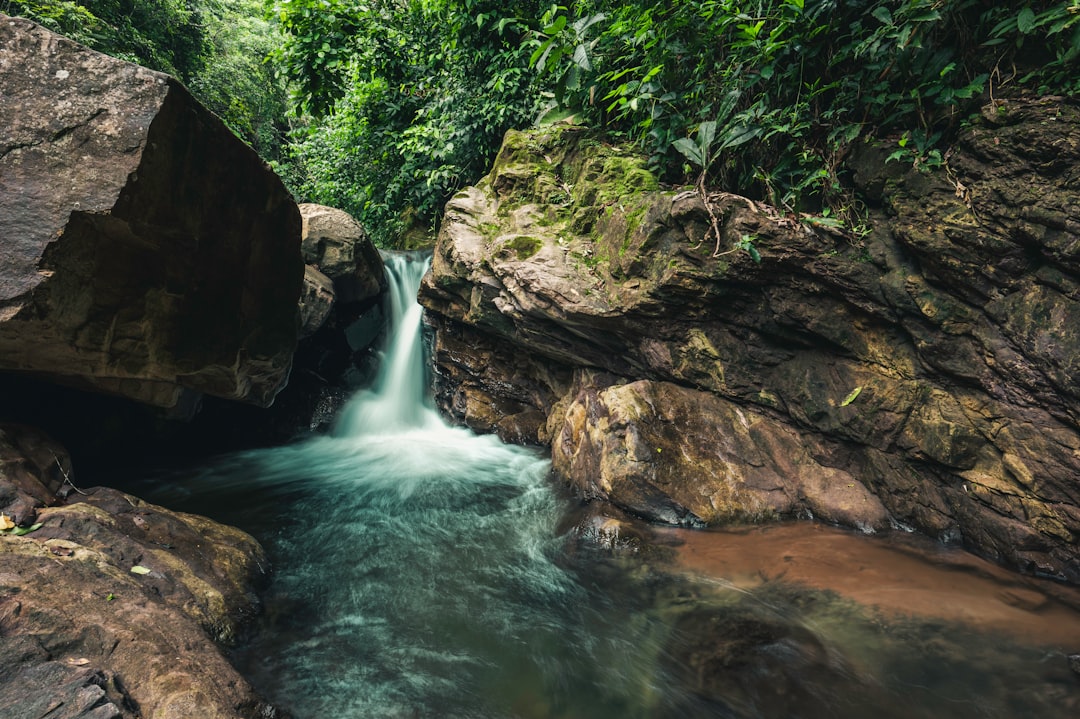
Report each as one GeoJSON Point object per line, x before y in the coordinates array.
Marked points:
{"type": "Point", "coordinates": [781, 89]}
{"type": "Point", "coordinates": [401, 103]}
{"type": "Point", "coordinates": [164, 35]}
{"type": "Point", "coordinates": [235, 80]}
{"type": "Point", "coordinates": [217, 47]}
{"type": "Point", "coordinates": [398, 103]}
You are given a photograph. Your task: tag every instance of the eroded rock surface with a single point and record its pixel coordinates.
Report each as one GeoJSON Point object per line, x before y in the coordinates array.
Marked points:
{"type": "Point", "coordinates": [85, 636]}
{"type": "Point", "coordinates": [146, 250]}
{"type": "Point", "coordinates": [921, 374]}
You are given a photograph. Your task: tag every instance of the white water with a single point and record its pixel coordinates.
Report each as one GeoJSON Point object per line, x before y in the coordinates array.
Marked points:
{"type": "Point", "coordinates": [420, 572]}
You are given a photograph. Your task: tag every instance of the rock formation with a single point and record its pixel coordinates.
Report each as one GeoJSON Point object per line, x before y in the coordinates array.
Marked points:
{"type": "Point", "coordinates": [146, 250]}
{"type": "Point", "coordinates": [338, 247]}
{"type": "Point", "coordinates": [917, 377]}
{"type": "Point", "coordinates": [112, 607]}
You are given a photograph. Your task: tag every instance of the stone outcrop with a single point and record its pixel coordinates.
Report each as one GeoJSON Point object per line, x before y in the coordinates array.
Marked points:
{"type": "Point", "coordinates": [918, 377]}
{"type": "Point", "coordinates": [338, 246]}
{"type": "Point", "coordinates": [341, 314]}
{"type": "Point", "coordinates": [146, 250]}
{"type": "Point", "coordinates": [114, 607]}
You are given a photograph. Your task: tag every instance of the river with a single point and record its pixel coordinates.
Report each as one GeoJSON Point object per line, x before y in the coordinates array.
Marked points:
{"type": "Point", "coordinates": [424, 571]}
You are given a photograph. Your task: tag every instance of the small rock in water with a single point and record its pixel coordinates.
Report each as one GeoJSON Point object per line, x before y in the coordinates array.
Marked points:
{"type": "Point", "coordinates": [1074, 663]}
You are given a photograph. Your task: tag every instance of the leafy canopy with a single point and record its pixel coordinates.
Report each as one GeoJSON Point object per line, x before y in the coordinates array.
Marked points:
{"type": "Point", "coordinates": [406, 101]}
{"type": "Point", "coordinates": [770, 95]}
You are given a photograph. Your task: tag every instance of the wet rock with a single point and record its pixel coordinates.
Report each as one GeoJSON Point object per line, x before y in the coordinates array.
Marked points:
{"type": "Point", "coordinates": [490, 386]}
{"type": "Point", "coordinates": [688, 457]}
{"type": "Point", "coordinates": [33, 472]}
{"type": "Point", "coordinates": [1074, 663]}
{"type": "Point", "coordinates": [148, 252]}
{"type": "Point", "coordinates": [117, 608]}
{"type": "Point", "coordinates": [928, 365]}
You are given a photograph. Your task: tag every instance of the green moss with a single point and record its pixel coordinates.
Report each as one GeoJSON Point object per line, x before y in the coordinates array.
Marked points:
{"type": "Point", "coordinates": [524, 246]}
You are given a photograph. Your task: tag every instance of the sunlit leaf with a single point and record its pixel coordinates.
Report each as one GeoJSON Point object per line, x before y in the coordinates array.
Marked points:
{"type": "Point", "coordinates": [851, 397]}
{"type": "Point", "coordinates": [139, 569]}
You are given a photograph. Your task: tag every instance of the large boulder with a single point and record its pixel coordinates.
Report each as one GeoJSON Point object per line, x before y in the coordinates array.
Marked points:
{"type": "Point", "coordinates": [929, 364]}
{"type": "Point", "coordinates": [337, 245]}
{"type": "Point", "coordinates": [113, 607]}
{"type": "Point", "coordinates": [146, 250]}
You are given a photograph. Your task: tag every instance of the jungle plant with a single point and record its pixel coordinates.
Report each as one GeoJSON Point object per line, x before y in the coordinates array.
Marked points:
{"type": "Point", "coordinates": [792, 85]}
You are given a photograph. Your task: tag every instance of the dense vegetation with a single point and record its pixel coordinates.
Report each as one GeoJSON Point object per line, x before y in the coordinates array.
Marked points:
{"type": "Point", "coordinates": [395, 104]}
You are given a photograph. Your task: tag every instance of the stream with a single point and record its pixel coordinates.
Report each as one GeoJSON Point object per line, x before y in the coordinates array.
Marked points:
{"type": "Point", "coordinates": [421, 570]}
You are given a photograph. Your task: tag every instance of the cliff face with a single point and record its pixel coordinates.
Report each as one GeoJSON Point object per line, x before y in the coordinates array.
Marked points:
{"type": "Point", "coordinates": [920, 377]}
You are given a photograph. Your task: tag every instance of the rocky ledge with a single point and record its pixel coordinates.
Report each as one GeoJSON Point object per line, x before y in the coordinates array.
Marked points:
{"type": "Point", "coordinates": [112, 607]}
{"type": "Point", "coordinates": [918, 377]}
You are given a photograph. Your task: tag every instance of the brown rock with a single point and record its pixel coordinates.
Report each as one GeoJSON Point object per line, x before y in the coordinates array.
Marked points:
{"type": "Point", "coordinates": [930, 362]}
{"type": "Point", "coordinates": [85, 633]}
{"type": "Point", "coordinates": [33, 471]}
{"type": "Point", "coordinates": [147, 250]}
{"type": "Point", "coordinates": [316, 302]}
{"type": "Point", "coordinates": [684, 456]}
{"type": "Point", "coordinates": [337, 245]}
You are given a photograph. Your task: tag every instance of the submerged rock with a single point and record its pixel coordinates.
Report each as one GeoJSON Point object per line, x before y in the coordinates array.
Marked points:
{"type": "Point", "coordinates": [919, 376]}
{"type": "Point", "coordinates": [114, 607]}
{"type": "Point", "coordinates": [148, 252]}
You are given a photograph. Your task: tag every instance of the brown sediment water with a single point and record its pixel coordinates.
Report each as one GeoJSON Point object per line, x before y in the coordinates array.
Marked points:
{"type": "Point", "coordinates": [897, 573]}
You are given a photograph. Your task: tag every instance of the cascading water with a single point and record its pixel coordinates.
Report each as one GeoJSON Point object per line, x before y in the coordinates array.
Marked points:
{"type": "Point", "coordinates": [396, 401]}
{"type": "Point", "coordinates": [420, 572]}
{"type": "Point", "coordinates": [414, 570]}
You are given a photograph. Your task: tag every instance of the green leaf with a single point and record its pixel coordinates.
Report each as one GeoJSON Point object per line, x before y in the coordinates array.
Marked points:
{"type": "Point", "coordinates": [139, 569]}
{"type": "Point", "coordinates": [882, 14]}
{"type": "Point", "coordinates": [556, 27]}
{"type": "Point", "coordinates": [581, 58]}
{"type": "Point", "coordinates": [20, 531]}
{"type": "Point", "coordinates": [706, 135]}
{"type": "Point", "coordinates": [754, 254]}
{"type": "Point", "coordinates": [690, 150]}
{"type": "Point", "coordinates": [851, 397]}
{"type": "Point", "coordinates": [738, 136]}
{"type": "Point", "coordinates": [557, 114]}
{"type": "Point", "coordinates": [1025, 21]}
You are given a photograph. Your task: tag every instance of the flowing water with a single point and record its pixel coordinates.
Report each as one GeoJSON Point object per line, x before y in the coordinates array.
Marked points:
{"type": "Point", "coordinates": [424, 571]}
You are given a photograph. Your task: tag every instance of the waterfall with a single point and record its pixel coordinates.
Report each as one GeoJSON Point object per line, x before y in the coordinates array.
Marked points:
{"type": "Point", "coordinates": [397, 399]}
{"type": "Point", "coordinates": [415, 561]}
